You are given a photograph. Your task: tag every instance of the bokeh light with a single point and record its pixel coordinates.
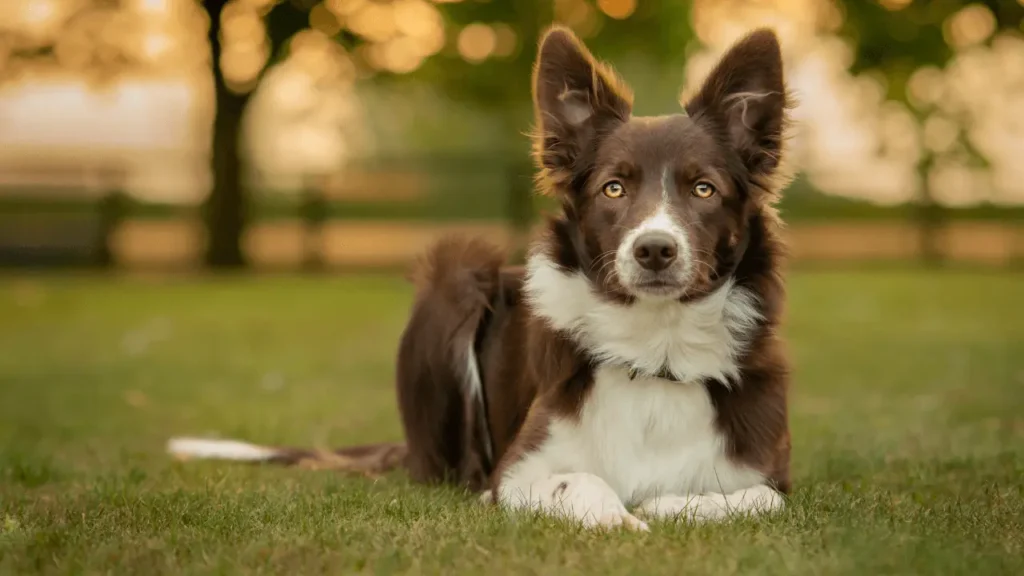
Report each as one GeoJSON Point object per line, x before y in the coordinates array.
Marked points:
{"type": "Point", "coordinates": [579, 15]}
{"type": "Point", "coordinates": [506, 41]}
{"type": "Point", "coordinates": [970, 25]}
{"type": "Point", "coordinates": [844, 116]}
{"type": "Point", "coordinates": [618, 9]}
{"type": "Point", "coordinates": [895, 5]}
{"type": "Point", "coordinates": [476, 42]}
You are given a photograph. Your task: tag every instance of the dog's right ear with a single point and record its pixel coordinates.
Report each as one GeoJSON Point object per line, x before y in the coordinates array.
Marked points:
{"type": "Point", "coordinates": [576, 99]}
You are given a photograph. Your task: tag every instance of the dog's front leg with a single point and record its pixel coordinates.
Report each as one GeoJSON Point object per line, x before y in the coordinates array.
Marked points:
{"type": "Point", "coordinates": [579, 496]}
{"type": "Point", "coordinates": [712, 506]}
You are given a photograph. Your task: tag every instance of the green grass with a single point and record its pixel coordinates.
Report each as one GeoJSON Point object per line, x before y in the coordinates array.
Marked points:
{"type": "Point", "coordinates": [907, 419]}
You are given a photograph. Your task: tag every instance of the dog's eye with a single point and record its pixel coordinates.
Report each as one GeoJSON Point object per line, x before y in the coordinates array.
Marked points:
{"type": "Point", "coordinates": [703, 190]}
{"type": "Point", "coordinates": [614, 190]}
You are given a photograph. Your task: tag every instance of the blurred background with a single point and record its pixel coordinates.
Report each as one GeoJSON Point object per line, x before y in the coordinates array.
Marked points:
{"type": "Point", "coordinates": [146, 142]}
{"type": "Point", "coordinates": [331, 134]}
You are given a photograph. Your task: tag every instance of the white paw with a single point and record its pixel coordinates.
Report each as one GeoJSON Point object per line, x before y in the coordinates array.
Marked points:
{"type": "Point", "coordinates": [583, 497]}
{"type": "Point", "coordinates": [759, 499]}
{"type": "Point", "coordinates": [695, 508]}
{"type": "Point", "coordinates": [713, 506]}
{"type": "Point", "coordinates": [589, 499]}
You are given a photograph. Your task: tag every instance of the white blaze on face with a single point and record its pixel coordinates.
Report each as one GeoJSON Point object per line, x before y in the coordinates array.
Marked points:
{"type": "Point", "coordinates": [663, 220]}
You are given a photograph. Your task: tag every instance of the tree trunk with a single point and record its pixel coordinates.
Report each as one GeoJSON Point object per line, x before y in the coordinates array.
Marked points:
{"type": "Point", "coordinates": [227, 204]}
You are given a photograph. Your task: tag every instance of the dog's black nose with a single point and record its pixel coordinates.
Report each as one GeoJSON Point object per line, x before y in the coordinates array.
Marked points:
{"type": "Point", "coordinates": [655, 251]}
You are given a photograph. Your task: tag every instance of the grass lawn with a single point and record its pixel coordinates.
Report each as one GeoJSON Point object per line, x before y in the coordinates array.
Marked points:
{"type": "Point", "coordinates": [907, 419]}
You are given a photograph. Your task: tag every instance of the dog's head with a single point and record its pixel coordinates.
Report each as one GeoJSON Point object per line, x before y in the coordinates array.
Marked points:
{"type": "Point", "coordinates": [657, 207]}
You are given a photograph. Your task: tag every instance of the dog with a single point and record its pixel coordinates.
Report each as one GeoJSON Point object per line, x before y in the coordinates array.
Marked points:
{"type": "Point", "coordinates": [633, 369]}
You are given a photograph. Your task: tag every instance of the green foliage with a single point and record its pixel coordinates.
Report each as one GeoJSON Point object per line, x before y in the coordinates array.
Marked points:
{"type": "Point", "coordinates": [658, 30]}
{"type": "Point", "coordinates": [897, 42]}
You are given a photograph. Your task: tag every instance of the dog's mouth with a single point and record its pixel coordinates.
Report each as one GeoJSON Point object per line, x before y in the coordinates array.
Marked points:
{"type": "Point", "coordinates": [658, 286]}
{"type": "Point", "coordinates": [667, 284]}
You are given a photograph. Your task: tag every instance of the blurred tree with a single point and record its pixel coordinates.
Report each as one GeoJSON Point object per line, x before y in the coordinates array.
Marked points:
{"type": "Point", "coordinates": [901, 38]}
{"type": "Point", "coordinates": [897, 37]}
{"type": "Point", "coordinates": [478, 53]}
{"type": "Point", "coordinates": [490, 60]}
{"type": "Point", "coordinates": [484, 56]}
{"type": "Point", "coordinates": [227, 206]}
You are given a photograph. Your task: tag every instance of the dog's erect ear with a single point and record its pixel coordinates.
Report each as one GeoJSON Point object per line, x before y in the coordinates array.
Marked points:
{"type": "Point", "coordinates": [745, 95]}
{"type": "Point", "coordinates": [576, 99]}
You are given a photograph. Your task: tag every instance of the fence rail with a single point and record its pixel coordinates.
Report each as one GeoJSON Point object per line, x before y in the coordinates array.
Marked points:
{"type": "Point", "coordinates": [382, 212]}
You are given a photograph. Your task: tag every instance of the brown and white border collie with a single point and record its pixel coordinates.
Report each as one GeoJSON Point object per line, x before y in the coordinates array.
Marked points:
{"type": "Point", "coordinates": [634, 368]}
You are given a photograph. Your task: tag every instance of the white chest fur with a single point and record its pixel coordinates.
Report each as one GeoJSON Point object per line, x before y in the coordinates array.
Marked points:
{"type": "Point", "coordinates": [644, 437]}
{"type": "Point", "coordinates": [701, 339]}
{"type": "Point", "coordinates": [647, 442]}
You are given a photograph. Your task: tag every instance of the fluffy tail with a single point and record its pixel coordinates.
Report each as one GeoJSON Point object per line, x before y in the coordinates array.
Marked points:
{"type": "Point", "coordinates": [440, 387]}
{"type": "Point", "coordinates": [371, 460]}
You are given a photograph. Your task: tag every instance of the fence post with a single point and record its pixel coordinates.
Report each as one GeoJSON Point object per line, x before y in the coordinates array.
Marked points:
{"type": "Point", "coordinates": [314, 214]}
{"type": "Point", "coordinates": [1017, 250]}
{"type": "Point", "coordinates": [931, 217]}
{"type": "Point", "coordinates": [110, 215]}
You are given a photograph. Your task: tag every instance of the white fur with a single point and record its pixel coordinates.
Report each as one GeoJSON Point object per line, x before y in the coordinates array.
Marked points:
{"type": "Point", "coordinates": [701, 339]}
{"type": "Point", "coordinates": [629, 269]}
{"type": "Point", "coordinates": [666, 183]}
{"type": "Point", "coordinates": [644, 438]}
{"type": "Point", "coordinates": [219, 449]}
{"type": "Point", "coordinates": [742, 100]}
{"type": "Point", "coordinates": [648, 441]}
{"type": "Point", "coordinates": [579, 496]}
{"type": "Point", "coordinates": [759, 499]}
{"type": "Point", "coordinates": [475, 391]}
{"type": "Point", "coordinates": [576, 108]}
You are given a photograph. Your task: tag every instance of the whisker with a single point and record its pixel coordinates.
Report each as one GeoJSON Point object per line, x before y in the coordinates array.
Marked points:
{"type": "Point", "coordinates": [605, 267]}
{"type": "Point", "coordinates": [598, 262]}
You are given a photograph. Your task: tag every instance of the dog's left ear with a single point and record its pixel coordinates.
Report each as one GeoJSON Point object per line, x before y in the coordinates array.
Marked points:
{"type": "Point", "coordinates": [745, 96]}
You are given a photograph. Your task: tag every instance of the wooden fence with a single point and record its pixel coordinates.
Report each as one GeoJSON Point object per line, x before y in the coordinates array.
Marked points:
{"type": "Point", "coordinates": [381, 214]}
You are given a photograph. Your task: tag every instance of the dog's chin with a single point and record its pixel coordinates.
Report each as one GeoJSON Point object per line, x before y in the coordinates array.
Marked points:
{"type": "Point", "coordinates": [657, 288]}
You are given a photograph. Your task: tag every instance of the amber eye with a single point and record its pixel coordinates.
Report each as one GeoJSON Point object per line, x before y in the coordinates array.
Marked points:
{"type": "Point", "coordinates": [703, 190]}
{"type": "Point", "coordinates": [614, 189]}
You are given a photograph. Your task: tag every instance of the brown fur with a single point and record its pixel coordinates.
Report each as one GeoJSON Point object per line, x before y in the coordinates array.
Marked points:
{"type": "Point", "coordinates": [457, 282]}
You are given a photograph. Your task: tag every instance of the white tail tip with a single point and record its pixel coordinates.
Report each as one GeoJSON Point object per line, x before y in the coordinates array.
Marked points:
{"type": "Point", "coordinates": [185, 448]}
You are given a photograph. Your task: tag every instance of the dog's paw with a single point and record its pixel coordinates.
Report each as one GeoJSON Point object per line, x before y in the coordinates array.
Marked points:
{"type": "Point", "coordinates": [759, 499]}
{"type": "Point", "coordinates": [712, 506]}
{"type": "Point", "coordinates": [590, 500]}
{"type": "Point", "coordinates": [577, 497]}
{"type": "Point", "coordinates": [695, 508]}
{"type": "Point", "coordinates": [616, 519]}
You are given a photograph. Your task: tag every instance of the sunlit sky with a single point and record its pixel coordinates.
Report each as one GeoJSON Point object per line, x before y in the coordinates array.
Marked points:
{"type": "Point", "coordinates": [306, 116]}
